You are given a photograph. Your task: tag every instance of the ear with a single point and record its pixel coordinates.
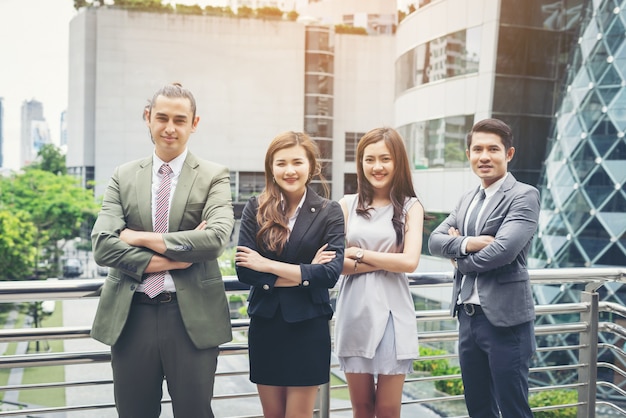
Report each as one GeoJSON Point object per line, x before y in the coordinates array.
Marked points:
{"type": "Point", "coordinates": [509, 154]}
{"type": "Point", "coordinates": [467, 154]}
{"type": "Point", "coordinates": [194, 124]}
{"type": "Point", "coordinates": [146, 116]}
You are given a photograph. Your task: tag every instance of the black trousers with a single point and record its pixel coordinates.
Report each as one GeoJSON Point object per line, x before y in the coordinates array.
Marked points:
{"type": "Point", "coordinates": [154, 345]}
{"type": "Point", "coordinates": [494, 366]}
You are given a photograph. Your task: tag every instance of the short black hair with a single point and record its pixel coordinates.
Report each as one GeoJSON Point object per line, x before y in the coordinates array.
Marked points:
{"type": "Point", "coordinates": [493, 126]}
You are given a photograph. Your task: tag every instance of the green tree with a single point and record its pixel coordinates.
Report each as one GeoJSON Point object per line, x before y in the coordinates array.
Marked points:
{"type": "Point", "coordinates": [219, 11]}
{"type": "Point", "coordinates": [453, 151]}
{"type": "Point", "coordinates": [226, 262]}
{"type": "Point", "coordinates": [57, 204]}
{"type": "Point", "coordinates": [17, 245]}
{"type": "Point", "coordinates": [292, 15]}
{"type": "Point", "coordinates": [188, 10]}
{"type": "Point", "coordinates": [50, 158]}
{"type": "Point", "coordinates": [273, 13]}
{"type": "Point", "coordinates": [245, 12]}
{"type": "Point", "coordinates": [80, 3]}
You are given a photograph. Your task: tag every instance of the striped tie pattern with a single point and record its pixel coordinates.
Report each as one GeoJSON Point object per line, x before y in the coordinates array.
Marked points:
{"type": "Point", "coordinates": [154, 282]}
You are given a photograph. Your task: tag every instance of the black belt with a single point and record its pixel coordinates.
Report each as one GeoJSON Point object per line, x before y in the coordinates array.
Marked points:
{"type": "Point", "coordinates": [471, 309]}
{"type": "Point", "coordinates": [164, 297]}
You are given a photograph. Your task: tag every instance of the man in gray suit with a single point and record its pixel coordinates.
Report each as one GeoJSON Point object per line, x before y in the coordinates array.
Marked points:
{"type": "Point", "coordinates": [164, 221]}
{"type": "Point", "coordinates": [487, 237]}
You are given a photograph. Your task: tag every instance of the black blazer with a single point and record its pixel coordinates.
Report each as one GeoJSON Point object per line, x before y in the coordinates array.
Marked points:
{"type": "Point", "coordinates": [319, 222]}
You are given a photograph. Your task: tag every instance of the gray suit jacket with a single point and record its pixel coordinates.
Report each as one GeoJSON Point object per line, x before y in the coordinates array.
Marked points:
{"type": "Point", "coordinates": [511, 216]}
{"type": "Point", "coordinates": [203, 192]}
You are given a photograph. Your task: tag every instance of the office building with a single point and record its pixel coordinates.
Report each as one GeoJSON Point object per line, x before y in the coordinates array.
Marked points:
{"type": "Point", "coordinates": [34, 131]}
{"type": "Point", "coordinates": [63, 131]}
{"type": "Point", "coordinates": [583, 183]}
{"type": "Point", "coordinates": [252, 79]}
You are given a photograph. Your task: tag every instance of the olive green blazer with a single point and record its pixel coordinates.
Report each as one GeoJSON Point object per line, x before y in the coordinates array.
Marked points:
{"type": "Point", "coordinates": [203, 192]}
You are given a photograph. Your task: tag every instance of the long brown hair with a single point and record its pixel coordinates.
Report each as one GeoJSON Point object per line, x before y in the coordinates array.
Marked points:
{"type": "Point", "coordinates": [402, 184]}
{"type": "Point", "coordinates": [274, 231]}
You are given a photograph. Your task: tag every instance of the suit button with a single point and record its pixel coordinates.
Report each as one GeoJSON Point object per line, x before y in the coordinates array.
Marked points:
{"type": "Point", "coordinates": [133, 287]}
{"type": "Point", "coordinates": [266, 287]}
{"type": "Point", "coordinates": [305, 283]}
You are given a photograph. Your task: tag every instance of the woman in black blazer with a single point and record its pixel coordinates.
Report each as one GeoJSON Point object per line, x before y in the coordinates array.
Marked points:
{"type": "Point", "coordinates": [290, 251]}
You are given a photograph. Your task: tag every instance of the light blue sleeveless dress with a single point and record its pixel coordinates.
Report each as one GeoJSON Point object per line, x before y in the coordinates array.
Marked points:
{"type": "Point", "coordinates": [375, 326]}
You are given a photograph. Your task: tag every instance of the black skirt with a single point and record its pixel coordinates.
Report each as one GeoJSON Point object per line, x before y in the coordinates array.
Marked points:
{"type": "Point", "coordinates": [289, 354]}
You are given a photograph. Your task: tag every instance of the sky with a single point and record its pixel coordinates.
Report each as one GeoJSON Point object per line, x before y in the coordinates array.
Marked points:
{"type": "Point", "coordinates": [34, 38]}
{"type": "Point", "coordinates": [34, 56]}
{"type": "Point", "coordinates": [34, 60]}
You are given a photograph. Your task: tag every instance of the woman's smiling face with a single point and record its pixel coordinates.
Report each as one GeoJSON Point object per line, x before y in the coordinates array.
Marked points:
{"type": "Point", "coordinates": [378, 165]}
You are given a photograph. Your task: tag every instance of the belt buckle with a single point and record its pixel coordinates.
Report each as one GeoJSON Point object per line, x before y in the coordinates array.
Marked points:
{"type": "Point", "coordinates": [469, 309]}
{"type": "Point", "coordinates": [169, 297]}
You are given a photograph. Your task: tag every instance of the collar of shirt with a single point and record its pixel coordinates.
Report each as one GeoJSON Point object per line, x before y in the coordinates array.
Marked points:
{"type": "Point", "coordinates": [292, 220]}
{"type": "Point", "coordinates": [176, 164]}
{"type": "Point", "coordinates": [491, 190]}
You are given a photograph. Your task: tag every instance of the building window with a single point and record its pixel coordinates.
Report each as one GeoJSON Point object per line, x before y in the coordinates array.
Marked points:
{"type": "Point", "coordinates": [352, 139]}
{"type": "Point", "coordinates": [437, 142]}
{"type": "Point", "coordinates": [349, 183]}
{"type": "Point", "coordinates": [248, 184]}
{"type": "Point", "coordinates": [448, 56]}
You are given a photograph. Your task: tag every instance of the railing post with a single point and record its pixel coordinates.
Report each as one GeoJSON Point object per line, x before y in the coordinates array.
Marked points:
{"type": "Point", "coordinates": [323, 402]}
{"type": "Point", "coordinates": [588, 355]}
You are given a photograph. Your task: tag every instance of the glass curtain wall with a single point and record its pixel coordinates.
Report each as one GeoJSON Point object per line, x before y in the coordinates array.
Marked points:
{"type": "Point", "coordinates": [583, 181]}
{"type": "Point", "coordinates": [534, 41]}
{"type": "Point", "coordinates": [583, 193]}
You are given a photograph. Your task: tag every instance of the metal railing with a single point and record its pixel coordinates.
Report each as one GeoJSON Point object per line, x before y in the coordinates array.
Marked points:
{"type": "Point", "coordinates": [586, 325]}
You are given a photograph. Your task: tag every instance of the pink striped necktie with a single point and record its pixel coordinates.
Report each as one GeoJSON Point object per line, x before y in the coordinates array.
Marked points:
{"type": "Point", "coordinates": [154, 282]}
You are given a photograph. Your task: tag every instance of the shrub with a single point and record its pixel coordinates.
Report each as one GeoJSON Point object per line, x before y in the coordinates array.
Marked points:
{"type": "Point", "coordinates": [219, 11]}
{"type": "Point", "coordinates": [430, 365]}
{"type": "Point", "coordinates": [554, 397]}
{"type": "Point", "coordinates": [449, 386]}
{"type": "Point", "coordinates": [245, 12]}
{"type": "Point", "coordinates": [350, 30]}
{"type": "Point", "coordinates": [439, 367]}
{"type": "Point", "coordinates": [188, 10]}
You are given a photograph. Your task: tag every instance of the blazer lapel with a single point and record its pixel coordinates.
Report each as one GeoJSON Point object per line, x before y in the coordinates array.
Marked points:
{"type": "Point", "coordinates": [186, 180]}
{"type": "Point", "coordinates": [143, 189]}
{"type": "Point", "coordinates": [309, 211]}
{"type": "Point", "coordinates": [495, 200]}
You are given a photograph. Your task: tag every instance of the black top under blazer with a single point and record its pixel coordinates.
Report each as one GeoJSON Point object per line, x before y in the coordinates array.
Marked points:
{"type": "Point", "coordinates": [319, 222]}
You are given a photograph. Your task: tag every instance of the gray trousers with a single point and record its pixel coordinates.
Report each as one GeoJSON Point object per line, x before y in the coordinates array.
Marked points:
{"type": "Point", "coordinates": [154, 345]}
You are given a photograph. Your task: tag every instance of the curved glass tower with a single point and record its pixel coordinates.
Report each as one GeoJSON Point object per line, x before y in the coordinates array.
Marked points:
{"type": "Point", "coordinates": [583, 216]}
{"type": "Point", "coordinates": [583, 208]}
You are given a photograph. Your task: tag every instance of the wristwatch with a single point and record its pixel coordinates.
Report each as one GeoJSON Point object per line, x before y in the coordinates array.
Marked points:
{"type": "Point", "coordinates": [358, 258]}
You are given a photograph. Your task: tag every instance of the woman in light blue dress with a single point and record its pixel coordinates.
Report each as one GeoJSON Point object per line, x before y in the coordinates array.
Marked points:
{"type": "Point", "coordinates": [376, 329]}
